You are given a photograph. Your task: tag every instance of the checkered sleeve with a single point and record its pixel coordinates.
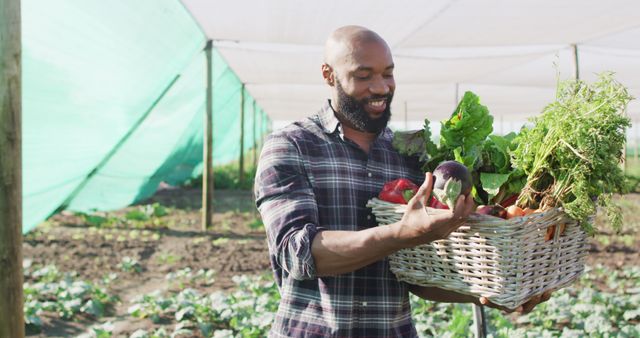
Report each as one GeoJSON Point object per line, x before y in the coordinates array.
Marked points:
{"type": "Point", "coordinates": [288, 207]}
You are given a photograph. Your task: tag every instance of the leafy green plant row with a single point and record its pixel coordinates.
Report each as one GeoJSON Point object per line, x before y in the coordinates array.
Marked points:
{"type": "Point", "coordinates": [228, 177]}
{"type": "Point", "coordinates": [138, 216]}
{"type": "Point", "coordinates": [247, 312]}
{"type": "Point", "coordinates": [577, 311]}
{"type": "Point", "coordinates": [604, 303]}
{"type": "Point", "coordinates": [47, 290]}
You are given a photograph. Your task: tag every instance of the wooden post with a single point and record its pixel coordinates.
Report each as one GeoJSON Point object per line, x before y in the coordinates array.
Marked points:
{"type": "Point", "coordinates": [406, 116]}
{"type": "Point", "coordinates": [11, 303]}
{"type": "Point", "coordinates": [255, 136]}
{"type": "Point", "coordinates": [241, 135]}
{"type": "Point", "coordinates": [262, 130]}
{"type": "Point", "coordinates": [207, 156]}
{"type": "Point", "coordinates": [637, 142]}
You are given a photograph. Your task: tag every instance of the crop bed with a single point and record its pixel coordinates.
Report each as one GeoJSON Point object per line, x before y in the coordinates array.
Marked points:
{"type": "Point", "coordinates": [150, 271]}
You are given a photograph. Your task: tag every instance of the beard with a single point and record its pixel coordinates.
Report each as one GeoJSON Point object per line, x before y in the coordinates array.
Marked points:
{"type": "Point", "coordinates": [353, 111]}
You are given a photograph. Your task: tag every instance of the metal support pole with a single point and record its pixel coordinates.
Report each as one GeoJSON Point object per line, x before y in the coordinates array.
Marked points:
{"type": "Point", "coordinates": [480, 328]}
{"type": "Point", "coordinates": [480, 325]}
{"type": "Point", "coordinates": [207, 172]}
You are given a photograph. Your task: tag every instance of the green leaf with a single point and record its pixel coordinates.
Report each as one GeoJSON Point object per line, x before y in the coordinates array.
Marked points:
{"type": "Point", "coordinates": [159, 210]}
{"type": "Point", "coordinates": [409, 143]}
{"type": "Point", "coordinates": [136, 215]}
{"type": "Point", "coordinates": [416, 143]}
{"type": "Point", "coordinates": [469, 125]}
{"type": "Point", "coordinates": [631, 314]}
{"type": "Point", "coordinates": [495, 154]}
{"type": "Point", "coordinates": [408, 194]}
{"type": "Point", "coordinates": [491, 183]}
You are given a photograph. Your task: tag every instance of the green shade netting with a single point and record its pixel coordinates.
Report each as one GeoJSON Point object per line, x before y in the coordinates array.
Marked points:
{"type": "Point", "coordinates": [114, 102]}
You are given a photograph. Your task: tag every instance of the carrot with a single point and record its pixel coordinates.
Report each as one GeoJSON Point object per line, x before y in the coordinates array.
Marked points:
{"type": "Point", "coordinates": [514, 211]}
{"type": "Point", "coordinates": [561, 228]}
{"type": "Point", "coordinates": [550, 232]}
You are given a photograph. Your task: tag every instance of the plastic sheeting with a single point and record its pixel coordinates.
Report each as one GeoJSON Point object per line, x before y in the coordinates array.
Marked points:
{"type": "Point", "coordinates": [114, 101]}
{"type": "Point", "coordinates": [508, 52]}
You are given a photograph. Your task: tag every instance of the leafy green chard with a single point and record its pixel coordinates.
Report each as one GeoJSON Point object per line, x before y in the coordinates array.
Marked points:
{"type": "Point", "coordinates": [497, 176]}
{"type": "Point", "coordinates": [572, 153]}
{"type": "Point", "coordinates": [464, 137]}
{"type": "Point", "coordinates": [461, 136]}
{"type": "Point", "coordinates": [466, 130]}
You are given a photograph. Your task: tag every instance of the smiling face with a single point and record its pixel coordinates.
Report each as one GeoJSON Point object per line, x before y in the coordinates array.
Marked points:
{"type": "Point", "coordinates": [359, 68]}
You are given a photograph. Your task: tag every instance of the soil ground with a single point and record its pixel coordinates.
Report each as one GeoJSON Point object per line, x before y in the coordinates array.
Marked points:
{"type": "Point", "coordinates": [234, 245]}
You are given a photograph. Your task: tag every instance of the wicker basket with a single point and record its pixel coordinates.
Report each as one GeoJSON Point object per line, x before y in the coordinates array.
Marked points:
{"type": "Point", "coordinates": [508, 261]}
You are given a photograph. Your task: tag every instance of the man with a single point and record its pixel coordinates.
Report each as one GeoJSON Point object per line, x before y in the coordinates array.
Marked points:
{"type": "Point", "coordinates": [313, 181]}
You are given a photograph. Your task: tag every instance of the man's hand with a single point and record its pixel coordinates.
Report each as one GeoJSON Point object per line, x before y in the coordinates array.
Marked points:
{"type": "Point", "coordinates": [419, 227]}
{"type": "Point", "coordinates": [522, 309]}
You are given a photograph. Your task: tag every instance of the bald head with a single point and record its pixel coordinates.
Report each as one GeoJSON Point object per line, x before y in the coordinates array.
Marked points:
{"type": "Point", "coordinates": [345, 41]}
{"type": "Point", "coordinates": [358, 67]}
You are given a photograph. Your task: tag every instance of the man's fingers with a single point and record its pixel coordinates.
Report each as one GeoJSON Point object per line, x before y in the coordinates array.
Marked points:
{"type": "Point", "coordinates": [522, 309]}
{"type": "Point", "coordinates": [460, 205]}
{"type": "Point", "coordinates": [486, 302]}
{"type": "Point", "coordinates": [421, 199]}
{"type": "Point", "coordinates": [464, 207]}
{"type": "Point", "coordinates": [528, 306]}
{"type": "Point", "coordinates": [469, 203]}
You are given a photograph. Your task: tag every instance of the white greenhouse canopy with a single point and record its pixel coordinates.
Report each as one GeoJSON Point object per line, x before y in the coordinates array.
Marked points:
{"type": "Point", "coordinates": [508, 52]}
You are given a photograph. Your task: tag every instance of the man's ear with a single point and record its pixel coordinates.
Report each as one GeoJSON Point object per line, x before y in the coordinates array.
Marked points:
{"type": "Point", "coordinates": [328, 74]}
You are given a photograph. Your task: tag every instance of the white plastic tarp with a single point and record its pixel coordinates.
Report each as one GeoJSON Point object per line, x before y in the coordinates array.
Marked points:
{"type": "Point", "coordinates": [508, 52]}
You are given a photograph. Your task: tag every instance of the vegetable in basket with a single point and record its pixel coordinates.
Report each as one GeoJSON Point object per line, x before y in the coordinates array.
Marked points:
{"type": "Point", "coordinates": [451, 179]}
{"type": "Point", "coordinates": [400, 191]}
{"type": "Point", "coordinates": [572, 154]}
{"type": "Point", "coordinates": [465, 137]}
{"type": "Point", "coordinates": [492, 210]}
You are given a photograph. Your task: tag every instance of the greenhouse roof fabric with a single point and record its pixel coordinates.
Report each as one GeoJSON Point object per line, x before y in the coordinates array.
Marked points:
{"type": "Point", "coordinates": [114, 93]}
{"type": "Point", "coordinates": [508, 52]}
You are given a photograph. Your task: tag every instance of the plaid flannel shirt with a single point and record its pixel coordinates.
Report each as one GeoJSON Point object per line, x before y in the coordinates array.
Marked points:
{"type": "Point", "coordinates": [310, 178]}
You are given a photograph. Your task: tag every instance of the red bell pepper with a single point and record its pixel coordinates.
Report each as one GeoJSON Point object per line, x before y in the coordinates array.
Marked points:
{"type": "Point", "coordinates": [398, 191]}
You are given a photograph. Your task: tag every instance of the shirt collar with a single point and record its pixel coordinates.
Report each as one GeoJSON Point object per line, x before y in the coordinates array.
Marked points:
{"type": "Point", "coordinates": [328, 119]}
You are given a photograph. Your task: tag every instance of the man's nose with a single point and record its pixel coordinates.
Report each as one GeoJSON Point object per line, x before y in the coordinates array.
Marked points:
{"type": "Point", "coordinates": [379, 86]}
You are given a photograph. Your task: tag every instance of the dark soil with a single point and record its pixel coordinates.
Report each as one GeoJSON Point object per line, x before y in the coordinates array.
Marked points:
{"type": "Point", "coordinates": [160, 245]}
{"type": "Point", "coordinates": [234, 245]}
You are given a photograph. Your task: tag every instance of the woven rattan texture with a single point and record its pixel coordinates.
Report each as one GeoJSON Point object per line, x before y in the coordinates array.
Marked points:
{"type": "Point", "coordinates": [506, 260]}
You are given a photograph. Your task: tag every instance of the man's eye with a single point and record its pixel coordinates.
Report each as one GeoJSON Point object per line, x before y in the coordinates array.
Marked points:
{"type": "Point", "coordinates": [363, 77]}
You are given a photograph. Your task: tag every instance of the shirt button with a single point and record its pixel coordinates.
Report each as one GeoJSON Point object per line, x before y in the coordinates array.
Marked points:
{"type": "Point", "coordinates": [369, 217]}
{"type": "Point", "coordinates": [369, 174]}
